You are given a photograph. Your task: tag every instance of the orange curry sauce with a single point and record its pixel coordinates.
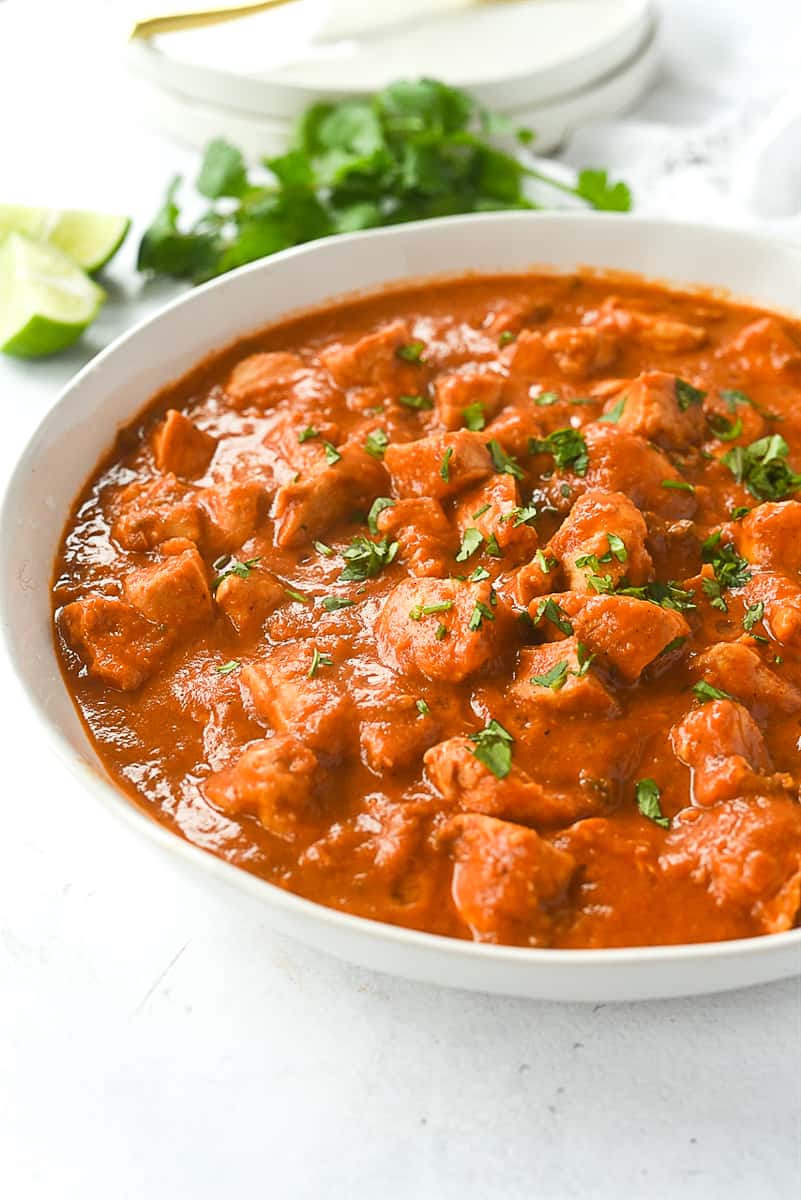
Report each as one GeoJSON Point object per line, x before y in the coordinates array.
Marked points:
{"type": "Point", "coordinates": [473, 607]}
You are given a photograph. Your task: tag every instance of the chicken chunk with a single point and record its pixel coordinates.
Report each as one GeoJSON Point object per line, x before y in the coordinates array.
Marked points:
{"type": "Point", "coordinates": [580, 350]}
{"type": "Point", "coordinates": [459, 390]}
{"type": "Point", "coordinates": [624, 462]}
{"type": "Point", "coordinates": [557, 678]}
{"type": "Point", "coordinates": [763, 346]}
{"type": "Point", "coordinates": [157, 510]}
{"type": "Point", "coordinates": [661, 408]}
{"type": "Point", "coordinates": [247, 602]}
{"type": "Point", "coordinates": [721, 744]}
{"type": "Point", "coordinates": [505, 878]}
{"type": "Point", "coordinates": [443, 629]}
{"type": "Point", "coordinates": [626, 633]}
{"type": "Point", "coordinates": [584, 546]}
{"type": "Point", "coordinates": [659, 333]}
{"type": "Point", "coordinates": [438, 465]}
{"type": "Point", "coordinates": [527, 356]}
{"type": "Point", "coordinates": [179, 446]}
{"type": "Point", "coordinates": [782, 600]}
{"type": "Point", "coordinates": [422, 532]}
{"type": "Point", "coordinates": [746, 853]}
{"type": "Point", "coordinates": [374, 361]}
{"type": "Point", "coordinates": [460, 778]}
{"type": "Point", "coordinates": [494, 509]}
{"type": "Point", "coordinates": [233, 512]}
{"type": "Point", "coordinates": [324, 495]}
{"type": "Point", "coordinates": [314, 708]}
{"type": "Point", "coordinates": [263, 379]}
{"type": "Point", "coordinates": [394, 733]}
{"type": "Point", "coordinates": [770, 536]}
{"type": "Point", "coordinates": [277, 780]}
{"type": "Point", "coordinates": [173, 592]}
{"type": "Point", "coordinates": [736, 668]}
{"type": "Point", "coordinates": [116, 643]}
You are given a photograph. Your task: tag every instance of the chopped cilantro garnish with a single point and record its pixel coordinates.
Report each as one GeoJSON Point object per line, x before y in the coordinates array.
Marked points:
{"type": "Point", "coordinates": [477, 616]}
{"type": "Point", "coordinates": [553, 679]}
{"type": "Point", "coordinates": [753, 614]}
{"type": "Point", "coordinates": [377, 507]}
{"type": "Point", "coordinates": [617, 547]}
{"type": "Point", "coordinates": [479, 574]}
{"type": "Point", "coordinates": [493, 549]}
{"type": "Point", "coordinates": [568, 448]}
{"type": "Point", "coordinates": [723, 430]}
{"type": "Point", "coordinates": [445, 465]}
{"type": "Point", "coordinates": [549, 610]}
{"type": "Point", "coordinates": [376, 443]}
{"type": "Point", "coordinates": [494, 748]}
{"type": "Point", "coordinates": [687, 395]}
{"type": "Point", "coordinates": [667, 595]}
{"type": "Point", "coordinates": [308, 433]}
{"type": "Point", "coordinates": [440, 632]}
{"type": "Point", "coordinates": [421, 403]}
{"type": "Point", "coordinates": [585, 659]}
{"type": "Point", "coordinates": [615, 413]}
{"type": "Point", "coordinates": [678, 485]}
{"type": "Point", "coordinates": [299, 597]}
{"type": "Point", "coordinates": [545, 564]}
{"type": "Point", "coordinates": [480, 511]}
{"type": "Point", "coordinates": [365, 558]}
{"type": "Point", "coordinates": [546, 399]}
{"type": "Point", "coordinates": [334, 603]}
{"type": "Point", "coordinates": [227, 565]}
{"type": "Point", "coordinates": [411, 352]}
{"type": "Point", "coordinates": [423, 708]}
{"type": "Point", "coordinates": [332, 455]}
{"type": "Point", "coordinates": [739, 511]}
{"type": "Point", "coordinates": [674, 645]}
{"type": "Point", "coordinates": [232, 665]}
{"type": "Point", "coordinates": [704, 691]}
{"type": "Point", "coordinates": [503, 462]}
{"type": "Point", "coordinates": [321, 548]}
{"type": "Point", "coordinates": [648, 795]}
{"type": "Point", "coordinates": [474, 417]}
{"type": "Point", "coordinates": [506, 337]}
{"type": "Point", "coordinates": [471, 540]}
{"type": "Point", "coordinates": [521, 515]}
{"type": "Point", "coordinates": [733, 397]}
{"type": "Point", "coordinates": [319, 660]}
{"type": "Point", "coordinates": [731, 571]}
{"type": "Point", "coordinates": [763, 469]}
{"type": "Point", "coordinates": [426, 610]}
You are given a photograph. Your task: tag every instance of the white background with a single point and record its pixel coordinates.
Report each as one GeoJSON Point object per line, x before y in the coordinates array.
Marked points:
{"type": "Point", "coordinates": [155, 1044]}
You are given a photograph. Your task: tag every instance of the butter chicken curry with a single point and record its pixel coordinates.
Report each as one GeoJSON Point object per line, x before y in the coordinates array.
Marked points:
{"type": "Point", "coordinates": [474, 608]}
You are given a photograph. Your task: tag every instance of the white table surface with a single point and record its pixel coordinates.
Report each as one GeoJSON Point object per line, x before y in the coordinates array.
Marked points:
{"type": "Point", "coordinates": [153, 1044]}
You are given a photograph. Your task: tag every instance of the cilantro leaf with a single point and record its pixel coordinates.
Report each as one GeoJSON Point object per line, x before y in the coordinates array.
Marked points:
{"type": "Point", "coordinates": [504, 463]}
{"type": "Point", "coordinates": [472, 539]}
{"type": "Point", "coordinates": [704, 691]}
{"type": "Point", "coordinates": [568, 448]}
{"type": "Point", "coordinates": [553, 679]}
{"type": "Point", "coordinates": [377, 507]}
{"type": "Point", "coordinates": [365, 558]}
{"type": "Point", "coordinates": [648, 795]}
{"type": "Point", "coordinates": [376, 443]}
{"type": "Point", "coordinates": [494, 748]}
{"type": "Point", "coordinates": [763, 469]}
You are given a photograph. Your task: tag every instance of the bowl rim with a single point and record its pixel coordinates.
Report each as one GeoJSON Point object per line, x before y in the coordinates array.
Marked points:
{"type": "Point", "coordinates": [116, 800]}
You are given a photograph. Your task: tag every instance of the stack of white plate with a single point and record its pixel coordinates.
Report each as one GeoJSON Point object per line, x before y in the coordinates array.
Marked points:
{"type": "Point", "coordinates": [546, 64]}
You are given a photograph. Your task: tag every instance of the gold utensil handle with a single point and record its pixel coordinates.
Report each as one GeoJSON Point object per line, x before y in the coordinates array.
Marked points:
{"type": "Point", "coordinates": [176, 22]}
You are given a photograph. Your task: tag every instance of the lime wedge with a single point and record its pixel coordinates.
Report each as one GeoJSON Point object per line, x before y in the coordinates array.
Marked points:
{"type": "Point", "coordinates": [46, 302]}
{"type": "Point", "coordinates": [89, 239]}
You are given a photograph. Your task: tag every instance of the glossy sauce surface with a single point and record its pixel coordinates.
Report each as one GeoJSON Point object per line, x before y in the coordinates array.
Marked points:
{"type": "Point", "coordinates": [474, 708]}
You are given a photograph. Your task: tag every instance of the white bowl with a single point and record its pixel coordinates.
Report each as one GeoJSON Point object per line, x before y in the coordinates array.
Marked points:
{"type": "Point", "coordinates": [116, 384]}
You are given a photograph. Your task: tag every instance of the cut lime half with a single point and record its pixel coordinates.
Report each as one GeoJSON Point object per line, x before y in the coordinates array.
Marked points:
{"type": "Point", "coordinates": [89, 239]}
{"type": "Point", "coordinates": [46, 302]}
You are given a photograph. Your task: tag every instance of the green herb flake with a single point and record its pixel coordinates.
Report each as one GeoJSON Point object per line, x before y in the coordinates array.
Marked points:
{"type": "Point", "coordinates": [376, 443]}
{"type": "Point", "coordinates": [553, 679]}
{"type": "Point", "coordinates": [480, 511]}
{"type": "Point", "coordinates": [614, 414]}
{"type": "Point", "coordinates": [420, 403]}
{"type": "Point", "coordinates": [585, 659]}
{"type": "Point", "coordinates": [704, 691]}
{"type": "Point", "coordinates": [227, 565]}
{"type": "Point", "coordinates": [423, 708]}
{"type": "Point", "coordinates": [753, 615]}
{"type": "Point", "coordinates": [732, 398]}
{"type": "Point", "coordinates": [568, 448]}
{"type": "Point", "coordinates": [226, 668]}
{"type": "Point", "coordinates": [493, 549]}
{"type": "Point", "coordinates": [335, 603]}
{"type": "Point", "coordinates": [376, 508]}
{"type": "Point", "coordinates": [297, 596]}
{"type": "Point", "coordinates": [479, 575]}
{"type": "Point", "coordinates": [739, 511]}
{"type": "Point", "coordinates": [474, 417]}
{"type": "Point", "coordinates": [549, 610]}
{"type": "Point", "coordinates": [730, 570]}
{"type": "Point", "coordinates": [440, 632]}
{"type": "Point", "coordinates": [688, 396]}
{"type": "Point", "coordinates": [545, 564]}
{"type": "Point", "coordinates": [418, 611]}
{"type": "Point", "coordinates": [445, 465]}
{"type": "Point", "coordinates": [678, 485]}
{"type": "Point", "coordinates": [617, 547]}
{"type": "Point", "coordinates": [493, 748]}
{"type": "Point", "coordinates": [472, 539]}
{"type": "Point", "coordinates": [506, 337]}
{"type": "Point", "coordinates": [307, 434]}
{"type": "Point", "coordinates": [648, 795]}
{"type": "Point", "coordinates": [321, 548]}
{"type": "Point", "coordinates": [763, 468]}
{"type": "Point", "coordinates": [332, 455]}
{"type": "Point", "coordinates": [546, 399]}
{"type": "Point", "coordinates": [504, 463]}
{"type": "Point", "coordinates": [318, 660]}
{"type": "Point", "coordinates": [524, 515]}
{"type": "Point", "coordinates": [723, 430]}
{"type": "Point", "coordinates": [365, 558]}
{"type": "Point", "coordinates": [479, 613]}
{"type": "Point", "coordinates": [411, 352]}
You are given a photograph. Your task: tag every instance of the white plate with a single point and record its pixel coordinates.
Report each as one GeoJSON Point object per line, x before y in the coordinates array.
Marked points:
{"type": "Point", "coordinates": [506, 55]}
{"type": "Point", "coordinates": [195, 123]}
{"type": "Point", "coordinates": [115, 386]}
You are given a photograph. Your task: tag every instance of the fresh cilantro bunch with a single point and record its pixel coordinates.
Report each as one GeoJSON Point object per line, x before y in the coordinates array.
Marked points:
{"type": "Point", "coordinates": [417, 149]}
